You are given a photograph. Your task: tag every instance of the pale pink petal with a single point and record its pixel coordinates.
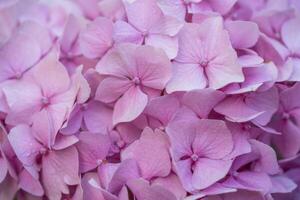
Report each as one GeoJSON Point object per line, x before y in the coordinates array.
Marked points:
{"type": "Point", "coordinates": [62, 141]}
{"type": "Point", "coordinates": [60, 169]}
{"type": "Point", "coordinates": [289, 33]}
{"type": "Point", "coordinates": [235, 109]}
{"type": "Point", "coordinates": [90, 191]}
{"type": "Point", "coordinates": [112, 88]}
{"type": "Point", "coordinates": [253, 181]}
{"type": "Point", "coordinates": [143, 14]}
{"type": "Point", "coordinates": [173, 8]}
{"type": "Point", "coordinates": [163, 108]}
{"type": "Point", "coordinates": [15, 51]}
{"type": "Point", "coordinates": [112, 9]}
{"type": "Point", "coordinates": [119, 61]}
{"type": "Point", "coordinates": [127, 171]}
{"type": "Point", "coordinates": [295, 76]}
{"type": "Point", "coordinates": [98, 118]}
{"type": "Point", "coordinates": [21, 110]}
{"type": "Point", "coordinates": [186, 77]}
{"type": "Point", "coordinates": [96, 39]}
{"type": "Point", "coordinates": [93, 149]}
{"type": "Point", "coordinates": [30, 184]}
{"type": "Point", "coordinates": [268, 161]}
{"type": "Point", "coordinates": [167, 43]}
{"type": "Point", "coordinates": [208, 172]}
{"type": "Point", "coordinates": [173, 184]}
{"type": "Point", "coordinates": [153, 66]}
{"type": "Point", "coordinates": [142, 190]}
{"type": "Point", "coordinates": [168, 26]}
{"type": "Point", "coordinates": [124, 32]}
{"type": "Point", "coordinates": [222, 6]}
{"type": "Point", "coordinates": [51, 75]}
{"type": "Point", "coordinates": [38, 33]}
{"type": "Point", "coordinates": [130, 105]}
{"type": "Point", "coordinates": [267, 101]}
{"type": "Point", "coordinates": [202, 101]}
{"type": "Point", "coordinates": [213, 139]}
{"type": "Point", "coordinates": [151, 154]}
{"type": "Point", "coordinates": [237, 31]}
{"type": "Point", "coordinates": [24, 144]}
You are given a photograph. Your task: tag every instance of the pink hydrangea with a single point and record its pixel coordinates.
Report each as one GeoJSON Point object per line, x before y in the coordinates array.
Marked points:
{"type": "Point", "coordinates": [149, 100]}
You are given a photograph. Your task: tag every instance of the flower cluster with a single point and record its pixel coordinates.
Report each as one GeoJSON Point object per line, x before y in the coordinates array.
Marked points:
{"type": "Point", "coordinates": [149, 99]}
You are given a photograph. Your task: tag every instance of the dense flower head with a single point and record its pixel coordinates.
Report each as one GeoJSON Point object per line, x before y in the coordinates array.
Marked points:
{"type": "Point", "coordinates": [149, 100]}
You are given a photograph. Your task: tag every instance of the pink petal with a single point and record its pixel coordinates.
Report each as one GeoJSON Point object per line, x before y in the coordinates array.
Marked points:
{"type": "Point", "coordinates": [15, 51]}
{"type": "Point", "coordinates": [168, 26]}
{"type": "Point", "coordinates": [63, 141]}
{"type": "Point", "coordinates": [143, 14]}
{"type": "Point", "coordinates": [112, 88]}
{"type": "Point", "coordinates": [30, 184]}
{"type": "Point", "coordinates": [163, 108]}
{"type": "Point", "coordinates": [289, 33]}
{"type": "Point", "coordinates": [253, 181]}
{"type": "Point", "coordinates": [89, 190]}
{"type": "Point", "coordinates": [96, 39]}
{"type": "Point", "coordinates": [222, 6]}
{"type": "Point", "coordinates": [213, 139]}
{"type": "Point", "coordinates": [268, 161]}
{"type": "Point", "coordinates": [289, 97]}
{"type": "Point", "coordinates": [288, 143]}
{"type": "Point", "coordinates": [235, 109]}
{"type": "Point", "coordinates": [119, 61]}
{"type": "Point", "coordinates": [51, 75]}
{"type": "Point", "coordinates": [186, 77]}
{"type": "Point", "coordinates": [98, 118]}
{"type": "Point", "coordinates": [93, 149]}
{"type": "Point", "coordinates": [167, 43]}
{"type": "Point", "coordinates": [24, 144]}
{"type": "Point", "coordinates": [208, 171]}
{"type": "Point", "coordinates": [151, 154]}
{"type": "Point", "coordinates": [112, 9]}
{"type": "Point", "coordinates": [202, 101]}
{"type": "Point", "coordinates": [267, 101]}
{"type": "Point", "coordinates": [173, 184]}
{"type": "Point", "coordinates": [174, 8]}
{"type": "Point", "coordinates": [153, 66]}
{"type": "Point", "coordinates": [60, 169]}
{"type": "Point", "coordinates": [20, 110]}
{"type": "Point", "coordinates": [124, 32]}
{"type": "Point", "coordinates": [127, 171]}
{"type": "Point", "coordinates": [237, 31]}
{"type": "Point", "coordinates": [142, 190]}
{"type": "Point", "coordinates": [130, 105]}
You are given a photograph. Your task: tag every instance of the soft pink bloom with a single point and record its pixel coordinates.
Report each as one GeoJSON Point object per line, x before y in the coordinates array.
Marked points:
{"type": "Point", "coordinates": [205, 58]}
{"type": "Point", "coordinates": [48, 95]}
{"type": "Point", "coordinates": [148, 25]}
{"type": "Point", "coordinates": [133, 74]}
{"type": "Point", "coordinates": [58, 164]}
{"type": "Point", "coordinates": [200, 151]}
